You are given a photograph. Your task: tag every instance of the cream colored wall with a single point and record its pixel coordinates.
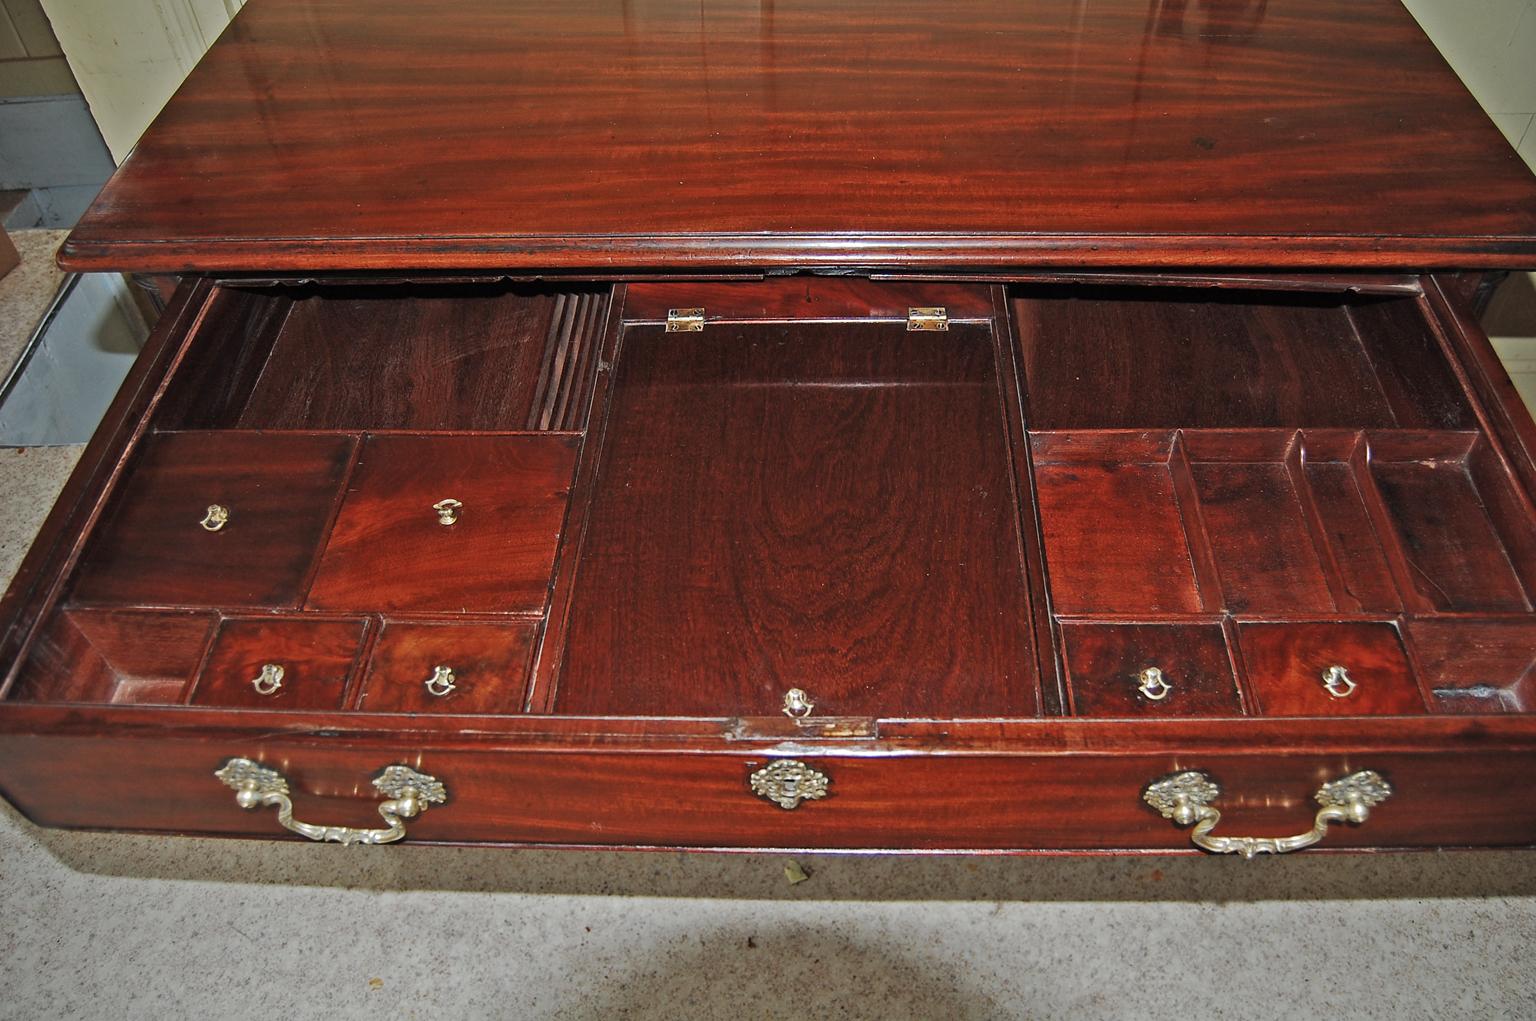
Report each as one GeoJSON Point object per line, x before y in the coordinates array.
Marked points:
{"type": "Point", "coordinates": [130, 55]}
{"type": "Point", "coordinates": [1491, 44]}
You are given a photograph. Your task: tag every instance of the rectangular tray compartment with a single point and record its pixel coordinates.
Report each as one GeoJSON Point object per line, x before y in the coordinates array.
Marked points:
{"type": "Point", "coordinates": [828, 506]}
{"type": "Point", "coordinates": [115, 656]}
{"type": "Point", "coordinates": [1143, 358]}
{"type": "Point", "coordinates": [1105, 664]}
{"type": "Point", "coordinates": [471, 356]}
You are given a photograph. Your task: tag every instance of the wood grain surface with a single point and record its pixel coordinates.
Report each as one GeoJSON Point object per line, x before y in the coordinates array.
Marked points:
{"type": "Point", "coordinates": [333, 134]}
{"type": "Point", "coordinates": [823, 506]}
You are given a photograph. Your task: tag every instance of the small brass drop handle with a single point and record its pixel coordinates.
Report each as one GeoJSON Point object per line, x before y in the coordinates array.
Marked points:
{"type": "Point", "coordinates": [215, 518]}
{"type": "Point", "coordinates": [1186, 799]}
{"type": "Point", "coordinates": [1152, 685]}
{"type": "Point", "coordinates": [447, 511]}
{"type": "Point", "coordinates": [409, 794]}
{"type": "Point", "coordinates": [1336, 681]}
{"type": "Point", "coordinates": [441, 682]}
{"type": "Point", "coordinates": [269, 680]}
{"type": "Point", "coordinates": [797, 704]}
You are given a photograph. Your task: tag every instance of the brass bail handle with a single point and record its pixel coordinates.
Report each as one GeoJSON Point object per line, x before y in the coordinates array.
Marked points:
{"type": "Point", "coordinates": [408, 794]}
{"type": "Point", "coordinates": [1186, 799]}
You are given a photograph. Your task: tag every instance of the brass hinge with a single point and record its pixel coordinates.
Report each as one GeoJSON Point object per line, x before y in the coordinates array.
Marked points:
{"type": "Point", "coordinates": [685, 320]}
{"type": "Point", "coordinates": [927, 319]}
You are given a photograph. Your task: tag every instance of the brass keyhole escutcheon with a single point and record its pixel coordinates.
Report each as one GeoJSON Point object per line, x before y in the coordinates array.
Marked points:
{"type": "Point", "coordinates": [447, 511]}
{"type": "Point", "coordinates": [1336, 681]}
{"type": "Point", "coordinates": [215, 518]}
{"type": "Point", "coordinates": [1152, 685]}
{"type": "Point", "coordinates": [269, 680]}
{"type": "Point", "coordinates": [441, 682]}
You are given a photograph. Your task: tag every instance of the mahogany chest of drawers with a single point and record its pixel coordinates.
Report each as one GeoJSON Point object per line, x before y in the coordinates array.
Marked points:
{"type": "Point", "coordinates": [962, 426]}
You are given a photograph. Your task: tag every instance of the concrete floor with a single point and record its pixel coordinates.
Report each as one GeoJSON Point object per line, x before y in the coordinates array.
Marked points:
{"type": "Point", "coordinates": [126, 927]}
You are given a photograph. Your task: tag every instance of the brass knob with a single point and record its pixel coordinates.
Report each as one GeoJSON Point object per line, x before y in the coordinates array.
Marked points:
{"type": "Point", "coordinates": [215, 518]}
{"type": "Point", "coordinates": [447, 511]}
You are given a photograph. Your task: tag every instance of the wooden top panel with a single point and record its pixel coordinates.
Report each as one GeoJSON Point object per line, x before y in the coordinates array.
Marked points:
{"type": "Point", "coordinates": [342, 134]}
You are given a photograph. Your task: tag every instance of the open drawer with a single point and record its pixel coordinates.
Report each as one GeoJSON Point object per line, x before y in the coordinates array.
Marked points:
{"type": "Point", "coordinates": [800, 563]}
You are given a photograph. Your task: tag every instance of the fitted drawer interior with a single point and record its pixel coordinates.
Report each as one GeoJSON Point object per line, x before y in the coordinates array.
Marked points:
{"type": "Point", "coordinates": [1062, 500]}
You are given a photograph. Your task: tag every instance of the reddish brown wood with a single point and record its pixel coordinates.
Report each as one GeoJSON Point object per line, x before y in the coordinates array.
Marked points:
{"type": "Point", "coordinates": [318, 658]}
{"type": "Point", "coordinates": [279, 491]}
{"type": "Point", "coordinates": [800, 298]}
{"type": "Point", "coordinates": [1112, 358]}
{"type": "Point", "coordinates": [115, 656]}
{"type": "Point", "coordinates": [489, 664]}
{"type": "Point", "coordinates": [1105, 662]}
{"type": "Point", "coordinates": [769, 516]}
{"type": "Point", "coordinates": [388, 550]}
{"type": "Point", "coordinates": [445, 133]}
{"type": "Point", "coordinates": [1286, 663]}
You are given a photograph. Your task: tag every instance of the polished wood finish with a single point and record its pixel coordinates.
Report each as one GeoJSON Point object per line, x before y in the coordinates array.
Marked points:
{"type": "Point", "coordinates": [389, 550]}
{"type": "Point", "coordinates": [489, 664]}
{"type": "Point", "coordinates": [1286, 664]}
{"type": "Point", "coordinates": [318, 657]}
{"type": "Point", "coordinates": [1105, 662]}
{"type": "Point", "coordinates": [765, 520]}
{"type": "Point", "coordinates": [1143, 440]}
{"type": "Point", "coordinates": [280, 492]}
{"type": "Point", "coordinates": [571, 134]}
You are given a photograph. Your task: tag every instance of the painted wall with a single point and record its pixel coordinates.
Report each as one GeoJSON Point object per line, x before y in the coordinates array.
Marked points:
{"type": "Point", "coordinates": [129, 56]}
{"type": "Point", "coordinates": [1491, 44]}
{"type": "Point", "coordinates": [31, 63]}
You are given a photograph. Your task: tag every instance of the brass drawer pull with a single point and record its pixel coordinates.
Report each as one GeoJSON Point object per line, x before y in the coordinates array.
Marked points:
{"type": "Point", "coordinates": [1152, 685]}
{"type": "Point", "coordinates": [797, 704]}
{"type": "Point", "coordinates": [787, 782]}
{"type": "Point", "coordinates": [269, 680]}
{"type": "Point", "coordinates": [441, 682]}
{"type": "Point", "coordinates": [215, 518]}
{"type": "Point", "coordinates": [410, 793]}
{"type": "Point", "coordinates": [1336, 680]}
{"type": "Point", "coordinates": [447, 511]}
{"type": "Point", "coordinates": [1186, 798]}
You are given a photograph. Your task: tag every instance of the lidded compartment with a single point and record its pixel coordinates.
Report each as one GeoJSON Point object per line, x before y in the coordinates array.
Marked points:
{"type": "Point", "coordinates": [809, 492]}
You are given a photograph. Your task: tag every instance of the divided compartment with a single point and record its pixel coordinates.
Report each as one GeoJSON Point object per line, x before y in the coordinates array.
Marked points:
{"type": "Point", "coordinates": [483, 356]}
{"type": "Point", "coordinates": [1279, 523]}
{"type": "Point", "coordinates": [828, 506]}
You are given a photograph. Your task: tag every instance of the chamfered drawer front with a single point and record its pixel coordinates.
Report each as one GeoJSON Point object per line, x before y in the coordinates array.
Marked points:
{"type": "Point", "coordinates": [280, 663]}
{"type": "Point", "coordinates": [678, 798]}
{"type": "Point", "coordinates": [1329, 669]}
{"type": "Point", "coordinates": [448, 668]}
{"type": "Point", "coordinates": [217, 519]}
{"type": "Point", "coordinates": [448, 524]}
{"type": "Point", "coordinates": [1149, 670]}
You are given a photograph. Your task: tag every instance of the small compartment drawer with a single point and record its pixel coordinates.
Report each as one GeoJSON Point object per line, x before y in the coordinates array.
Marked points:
{"type": "Point", "coordinates": [1294, 669]}
{"type": "Point", "coordinates": [280, 663]}
{"type": "Point", "coordinates": [461, 524]}
{"type": "Point", "coordinates": [161, 547]}
{"type": "Point", "coordinates": [449, 668]}
{"type": "Point", "coordinates": [1110, 669]}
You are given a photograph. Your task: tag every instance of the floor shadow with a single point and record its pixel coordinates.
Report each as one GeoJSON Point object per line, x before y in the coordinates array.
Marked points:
{"type": "Point", "coordinates": [1314, 875]}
